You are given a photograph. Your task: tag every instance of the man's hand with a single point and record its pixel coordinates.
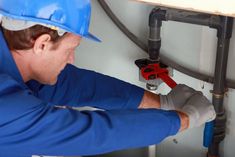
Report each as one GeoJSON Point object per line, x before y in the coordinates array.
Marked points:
{"type": "Point", "coordinates": [199, 110]}
{"type": "Point", "coordinates": [176, 99]}
{"type": "Point", "coordinates": [193, 108]}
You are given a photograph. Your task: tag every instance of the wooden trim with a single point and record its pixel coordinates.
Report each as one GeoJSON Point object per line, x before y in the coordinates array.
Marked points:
{"type": "Point", "coordinates": [217, 7]}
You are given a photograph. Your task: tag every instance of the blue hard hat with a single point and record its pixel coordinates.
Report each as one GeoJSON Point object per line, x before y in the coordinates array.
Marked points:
{"type": "Point", "coordinates": [70, 15]}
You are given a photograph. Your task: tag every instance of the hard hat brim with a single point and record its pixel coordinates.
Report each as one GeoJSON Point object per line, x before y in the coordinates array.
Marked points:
{"type": "Point", "coordinates": [92, 37]}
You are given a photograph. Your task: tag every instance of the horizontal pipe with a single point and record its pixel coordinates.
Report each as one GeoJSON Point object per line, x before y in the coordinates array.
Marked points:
{"type": "Point", "coordinates": [212, 21]}
{"type": "Point", "coordinates": [187, 71]}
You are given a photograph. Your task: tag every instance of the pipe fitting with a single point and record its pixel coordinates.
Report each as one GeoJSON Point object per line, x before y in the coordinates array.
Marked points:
{"type": "Point", "coordinates": [156, 17]}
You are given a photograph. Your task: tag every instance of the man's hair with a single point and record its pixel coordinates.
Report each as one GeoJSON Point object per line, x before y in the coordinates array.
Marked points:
{"type": "Point", "coordinates": [25, 39]}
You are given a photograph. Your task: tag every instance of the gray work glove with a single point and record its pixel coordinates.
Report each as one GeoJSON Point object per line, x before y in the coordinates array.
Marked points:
{"type": "Point", "coordinates": [199, 109]}
{"type": "Point", "coordinates": [177, 97]}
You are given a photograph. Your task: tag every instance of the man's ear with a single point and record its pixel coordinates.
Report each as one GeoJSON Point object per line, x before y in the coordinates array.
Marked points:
{"type": "Point", "coordinates": [41, 43]}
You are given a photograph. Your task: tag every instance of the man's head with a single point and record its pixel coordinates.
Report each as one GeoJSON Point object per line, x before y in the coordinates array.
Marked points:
{"type": "Point", "coordinates": [25, 39]}
{"type": "Point", "coordinates": [43, 35]}
{"type": "Point", "coordinates": [41, 51]}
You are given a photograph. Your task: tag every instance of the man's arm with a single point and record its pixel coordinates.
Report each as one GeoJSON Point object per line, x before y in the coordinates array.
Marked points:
{"type": "Point", "coordinates": [32, 126]}
{"type": "Point", "coordinates": [184, 119]}
{"type": "Point", "coordinates": [77, 88]}
{"type": "Point", "coordinates": [150, 100]}
{"type": "Point", "coordinates": [51, 131]}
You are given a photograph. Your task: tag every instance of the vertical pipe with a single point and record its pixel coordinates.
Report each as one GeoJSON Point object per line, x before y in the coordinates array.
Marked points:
{"type": "Point", "coordinates": [154, 43]}
{"type": "Point", "coordinates": [224, 34]}
{"type": "Point", "coordinates": [155, 23]}
{"type": "Point", "coordinates": [154, 40]}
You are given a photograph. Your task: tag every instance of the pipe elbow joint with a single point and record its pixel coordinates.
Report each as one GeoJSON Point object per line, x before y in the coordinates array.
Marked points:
{"type": "Point", "coordinates": [156, 17]}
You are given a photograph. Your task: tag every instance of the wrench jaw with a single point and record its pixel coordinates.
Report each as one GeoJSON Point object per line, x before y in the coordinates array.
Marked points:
{"type": "Point", "coordinates": [154, 73]}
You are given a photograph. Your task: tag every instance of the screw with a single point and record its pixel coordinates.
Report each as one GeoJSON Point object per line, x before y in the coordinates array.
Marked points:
{"type": "Point", "coordinates": [175, 141]}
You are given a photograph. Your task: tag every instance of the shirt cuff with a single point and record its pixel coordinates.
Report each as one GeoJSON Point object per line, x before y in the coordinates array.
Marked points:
{"type": "Point", "coordinates": [135, 97]}
{"type": "Point", "coordinates": [175, 121]}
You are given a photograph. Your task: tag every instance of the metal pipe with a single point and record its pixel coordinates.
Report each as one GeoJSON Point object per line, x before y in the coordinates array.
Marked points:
{"type": "Point", "coordinates": [224, 34]}
{"type": "Point", "coordinates": [164, 59]}
{"type": "Point", "coordinates": [212, 21]}
{"type": "Point", "coordinates": [154, 42]}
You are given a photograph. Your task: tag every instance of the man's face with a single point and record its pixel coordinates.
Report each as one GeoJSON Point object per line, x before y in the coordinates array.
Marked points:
{"type": "Point", "coordinates": [56, 57]}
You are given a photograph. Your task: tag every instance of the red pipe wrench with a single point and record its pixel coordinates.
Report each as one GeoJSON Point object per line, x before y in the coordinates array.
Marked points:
{"type": "Point", "coordinates": [155, 71]}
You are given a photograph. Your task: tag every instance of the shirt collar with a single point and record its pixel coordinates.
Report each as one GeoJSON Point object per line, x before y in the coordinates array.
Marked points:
{"type": "Point", "coordinates": [7, 63]}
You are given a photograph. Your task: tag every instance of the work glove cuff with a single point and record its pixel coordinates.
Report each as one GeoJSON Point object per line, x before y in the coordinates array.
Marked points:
{"type": "Point", "coordinates": [199, 110]}
{"type": "Point", "coordinates": [166, 102]}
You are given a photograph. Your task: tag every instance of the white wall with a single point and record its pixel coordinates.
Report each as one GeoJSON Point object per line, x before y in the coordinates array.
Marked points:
{"type": "Point", "coordinates": [190, 45]}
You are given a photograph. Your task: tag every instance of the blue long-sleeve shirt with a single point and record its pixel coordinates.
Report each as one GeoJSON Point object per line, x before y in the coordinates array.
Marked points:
{"type": "Point", "coordinates": [77, 87]}
{"type": "Point", "coordinates": [31, 124]}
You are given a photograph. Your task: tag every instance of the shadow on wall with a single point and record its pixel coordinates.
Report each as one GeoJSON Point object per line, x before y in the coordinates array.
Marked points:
{"type": "Point", "coordinates": [141, 152]}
